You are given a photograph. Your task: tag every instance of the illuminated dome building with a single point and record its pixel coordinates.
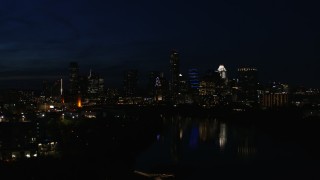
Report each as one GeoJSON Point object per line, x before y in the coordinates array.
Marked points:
{"type": "Point", "coordinates": [222, 71]}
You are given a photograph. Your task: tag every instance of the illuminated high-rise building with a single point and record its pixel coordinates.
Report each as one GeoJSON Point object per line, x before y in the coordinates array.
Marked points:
{"type": "Point", "coordinates": [248, 84]}
{"type": "Point", "coordinates": [95, 85]}
{"type": "Point", "coordinates": [209, 82]}
{"type": "Point", "coordinates": [208, 88]}
{"type": "Point", "coordinates": [222, 88]}
{"type": "Point", "coordinates": [130, 83]}
{"type": "Point", "coordinates": [52, 90]}
{"type": "Point", "coordinates": [175, 74]}
{"type": "Point", "coordinates": [112, 96]}
{"type": "Point", "coordinates": [158, 90]}
{"type": "Point", "coordinates": [74, 78]}
{"type": "Point", "coordinates": [153, 75]}
{"type": "Point", "coordinates": [194, 79]}
{"type": "Point", "coordinates": [223, 72]}
{"type": "Point", "coordinates": [274, 100]}
{"type": "Point", "coordinates": [157, 86]}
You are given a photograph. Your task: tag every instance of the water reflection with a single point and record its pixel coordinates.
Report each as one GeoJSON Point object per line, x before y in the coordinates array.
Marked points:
{"type": "Point", "coordinates": [208, 129]}
{"type": "Point", "coordinates": [207, 145]}
{"type": "Point", "coordinates": [181, 134]}
{"type": "Point", "coordinates": [208, 141]}
{"type": "Point", "coordinates": [223, 136]}
{"type": "Point", "coordinates": [194, 137]}
{"type": "Point", "coordinates": [184, 146]}
{"type": "Point", "coordinates": [196, 131]}
{"type": "Point", "coordinates": [246, 149]}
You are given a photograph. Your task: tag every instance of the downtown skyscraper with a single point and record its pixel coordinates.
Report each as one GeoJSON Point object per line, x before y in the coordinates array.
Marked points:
{"type": "Point", "coordinates": [74, 78]}
{"type": "Point", "coordinates": [174, 75]}
{"type": "Point", "coordinates": [130, 83]}
{"type": "Point", "coordinates": [248, 83]}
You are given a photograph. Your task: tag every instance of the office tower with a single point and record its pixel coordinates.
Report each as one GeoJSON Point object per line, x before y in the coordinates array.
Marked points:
{"type": "Point", "coordinates": [83, 86]}
{"type": "Point", "coordinates": [130, 83]}
{"type": "Point", "coordinates": [248, 84]}
{"type": "Point", "coordinates": [153, 75]}
{"type": "Point", "coordinates": [274, 100]}
{"type": "Point", "coordinates": [162, 87]}
{"type": "Point", "coordinates": [95, 85]}
{"type": "Point", "coordinates": [193, 85]}
{"type": "Point", "coordinates": [157, 86]}
{"type": "Point", "coordinates": [234, 89]}
{"type": "Point", "coordinates": [222, 88]}
{"type": "Point", "coordinates": [74, 78]}
{"type": "Point", "coordinates": [208, 88]}
{"type": "Point", "coordinates": [112, 96]}
{"type": "Point", "coordinates": [175, 72]}
{"type": "Point", "coordinates": [52, 90]}
{"type": "Point", "coordinates": [276, 87]}
{"type": "Point", "coordinates": [185, 97]}
{"type": "Point", "coordinates": [209, 83]}
{"type": "Point", "coordinates": [158, 90]}
{"type": "Point", "coordinates": [223, 72]}
{"type": "Point", "coordinates": [194, 79]}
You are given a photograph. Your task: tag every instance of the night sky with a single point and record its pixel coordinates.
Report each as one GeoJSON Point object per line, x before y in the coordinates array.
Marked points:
{"type": "Point", "coordinates": [38, 39]}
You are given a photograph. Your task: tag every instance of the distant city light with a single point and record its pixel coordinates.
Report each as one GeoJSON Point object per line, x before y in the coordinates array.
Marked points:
{"type": "Point", "coordinates": [79, 103]}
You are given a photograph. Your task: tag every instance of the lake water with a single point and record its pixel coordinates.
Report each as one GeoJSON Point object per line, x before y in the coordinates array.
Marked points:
{"type": "Point", "coordinates": [198, 146]}
{"type": "Point", "coordinates": [226, 148]}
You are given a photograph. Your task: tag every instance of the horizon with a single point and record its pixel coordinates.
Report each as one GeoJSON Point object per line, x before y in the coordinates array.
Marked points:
{"type": "Point", "coordinates": [34, 82]}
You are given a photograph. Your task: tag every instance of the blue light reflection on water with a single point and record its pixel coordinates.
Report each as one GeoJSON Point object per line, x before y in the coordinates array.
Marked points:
{"type": "Point", "coordinates": [194, 137]}
{"type": "Point", "coordinates": [196, 141]}
{"type": "Point", "coordinates": [202, 146]}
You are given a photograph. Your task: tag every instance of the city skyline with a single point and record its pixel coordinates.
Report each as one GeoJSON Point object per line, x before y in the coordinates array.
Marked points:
{"type": "Point", "coordinates": [124, 89]}
{"type": "Point", "coordinates": [39, 39]}
{"type": "Point", "coordinates": [35, 83]}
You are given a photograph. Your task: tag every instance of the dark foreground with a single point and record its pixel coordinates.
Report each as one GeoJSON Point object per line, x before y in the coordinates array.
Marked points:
{"type": "Point", "coordinates": [253, 145]}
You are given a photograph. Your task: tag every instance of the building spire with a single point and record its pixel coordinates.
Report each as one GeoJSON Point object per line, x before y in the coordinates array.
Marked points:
{"type": "Point", "coordinates": [90, 73]}
{"type": "Point", "coordinates": [61, 86]}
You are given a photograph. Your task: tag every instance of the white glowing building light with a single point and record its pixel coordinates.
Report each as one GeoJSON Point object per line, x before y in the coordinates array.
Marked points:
{"type": "Point", "coordinates": [222, 71]}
